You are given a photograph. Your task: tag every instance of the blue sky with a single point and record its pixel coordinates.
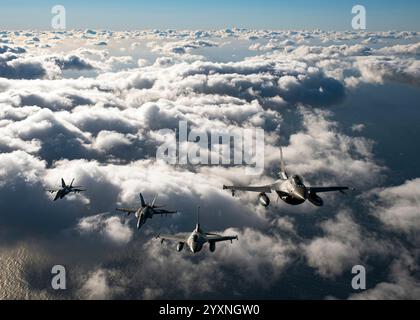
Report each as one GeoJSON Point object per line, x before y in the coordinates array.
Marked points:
{"type": "Point", "coordinates": [195, 14]}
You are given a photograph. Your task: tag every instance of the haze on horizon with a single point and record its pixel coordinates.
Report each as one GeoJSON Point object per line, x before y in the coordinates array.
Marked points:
{"type": "Point", "coordinates": [189, 14]}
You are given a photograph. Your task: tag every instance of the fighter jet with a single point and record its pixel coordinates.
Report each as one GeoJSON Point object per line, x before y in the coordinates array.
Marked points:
{"type": "Point", "coordinates": [146, 211]}
{"type": "Point", "coordinates": [65, 190]}
{"type": "Point", "coordinates": [290, 189]}
{"type": "Point", "coordinates": [196, 239]}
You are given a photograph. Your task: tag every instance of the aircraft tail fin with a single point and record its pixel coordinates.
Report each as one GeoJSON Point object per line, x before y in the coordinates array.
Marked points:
{"type": "Point", "coordinates": [154, 200]}
{"type": "Point", "coordinates": [198, 219]}
{"type": "Point", "coordinates": [143, 203]}
{"type": "Point", "coordinates": [63, 184]}
{"type": "Point", "coordinates": [71, 184]}
{"type": "Point", "coordinates": [282, 173]}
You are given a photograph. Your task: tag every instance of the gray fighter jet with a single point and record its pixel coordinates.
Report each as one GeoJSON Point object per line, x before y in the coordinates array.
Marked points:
{"type": "Point", "coordinates": [65, 190]}
{"type": "Point", "coordinates": [146, 211]}
{"type": "Point", "coordinates": [290, 189]}
{"type": "Point", "coordinates": [196, 239]}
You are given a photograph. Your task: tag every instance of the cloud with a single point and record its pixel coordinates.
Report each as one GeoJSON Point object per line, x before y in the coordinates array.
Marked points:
{"type": "Point", "coordinates": [107, 140]}
{"type": "Point", "coordinates": [398, 207]}
{"type": "Point", "coordinates": [338, 250]}
{"type": "Point", "coordinates": [21, 68]}
{"type": "Point", "coordinates": [344, 244]}
{"type": "Point", "coordinates": [97, 286]}
{"type": "Point", "coordinates": [180, 47]}
{"type": "Point", "coordinates": [5, 48]}
{"type": "Point", "coordinates": [380, 70]}
{"type": "Point", "coordinates": [412, 48]}
{"type": "Point", "coordinates": [358, 127]}
{"type": "Point", "coordinates": [111, 228]}
{"type": "Point", "coordinates": [73, 62]}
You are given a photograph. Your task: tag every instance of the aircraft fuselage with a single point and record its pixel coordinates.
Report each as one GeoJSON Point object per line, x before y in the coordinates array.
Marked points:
{"type": "Point", "coordinates": [61, 193]}
{"type": "Point", "coordinates": [291, 191]}
{"type": "Point", "coordinates": [142, 214]}
{"type": "Point", "coordinates": [196, 241]}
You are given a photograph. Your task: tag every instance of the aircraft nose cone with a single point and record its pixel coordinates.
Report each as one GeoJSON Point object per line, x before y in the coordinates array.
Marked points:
{"type": "Point", "coordinates": [301, 193]}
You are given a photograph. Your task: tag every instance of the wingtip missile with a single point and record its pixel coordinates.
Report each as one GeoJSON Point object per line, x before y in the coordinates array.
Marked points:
{"type": "Point", "coordinates": [348, 188]}
{"type": "Point", "coordinates": [224, 187]}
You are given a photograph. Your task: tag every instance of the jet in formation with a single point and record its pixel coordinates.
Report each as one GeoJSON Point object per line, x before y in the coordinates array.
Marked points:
{"type": "Point", "coordinates": [146, 211]}
{"type": "Point", "coordinates": [290, 189]}
{"type": "Point", "coordinates": [196, 239]}
{"type": "Point", "coordinates": [65, 190]}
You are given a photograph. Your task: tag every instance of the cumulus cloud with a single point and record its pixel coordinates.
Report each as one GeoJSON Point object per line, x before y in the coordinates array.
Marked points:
{"type": "Point", "coordinates": [26, 68]}
{"type": "Point", "coordinates": [344, 244]}
{"type": "Point", "coordinates": [379, 70]}
{"type": "Point", "coordinates": [97, 286]}
{"type": "Point", "coordinates": [399, 207]}
{"type": "Point", "coordinates": [180, 47]}
{"type": "Point", "coordinates": [338, 250]}
{"type": "Point", "coordinates": [109, 227]}
{"type": "Point", "coordinates": [73, 62]}
{"type": "Point", "coordinates": [412, 48]}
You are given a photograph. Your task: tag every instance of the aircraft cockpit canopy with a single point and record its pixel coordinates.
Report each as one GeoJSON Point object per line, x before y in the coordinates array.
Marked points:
{"type": "Point", "coordinates": [297, 180]}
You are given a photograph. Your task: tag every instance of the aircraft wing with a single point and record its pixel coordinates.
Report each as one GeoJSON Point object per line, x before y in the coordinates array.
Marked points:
{"type": "Point", "coordinates": [126, 210]}
{"type": "Point", "coordinates": [163, 211]}
{"type": "Point", "coordinates": [180, 237]}
{"type": "Point", "coordinates": [266, 189]}
{"type": "Point", "coordinates": [51, 190]}
{"type": "Point", "coordinates": [327, 189]}
{"type": "Point", "coordinates": [77, 190]}
{"type": "Point", "coordinates": [211, 237]}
